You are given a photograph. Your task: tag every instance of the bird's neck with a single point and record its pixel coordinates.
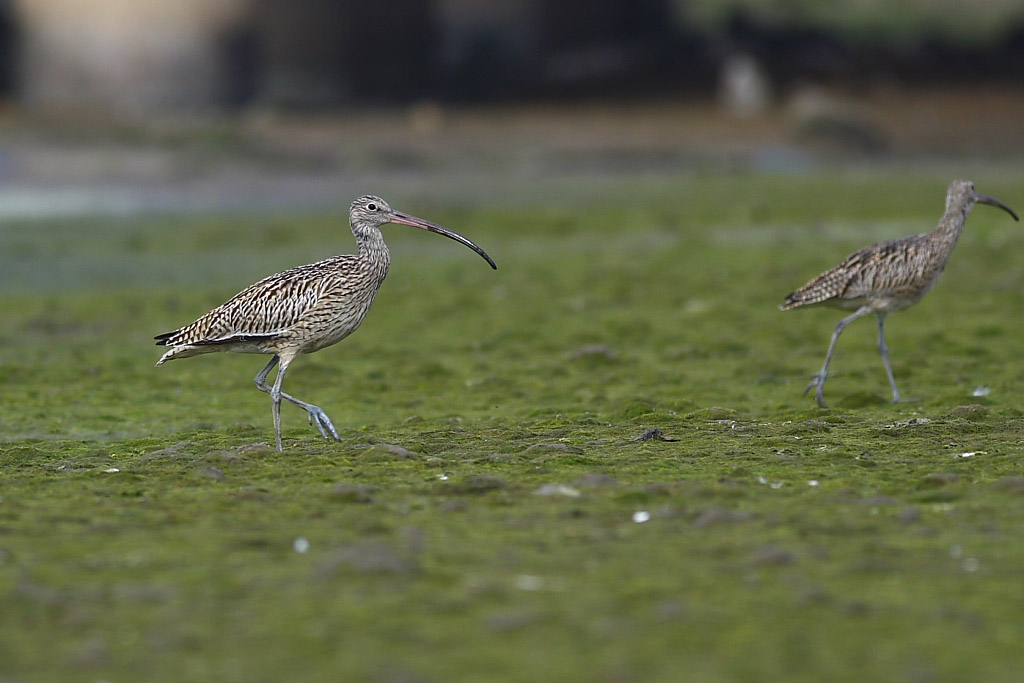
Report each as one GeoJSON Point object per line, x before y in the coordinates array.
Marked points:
{"type": "Point", "coordinates": [952, 224]}
{"type": "Point", "coordinates": [372, 249]}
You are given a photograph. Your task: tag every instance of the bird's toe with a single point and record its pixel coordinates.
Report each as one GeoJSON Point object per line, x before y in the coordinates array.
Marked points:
{"type": "Point", "coordinates": [816, 381]}
{"type": "Point", "coordinates": [323, 423]}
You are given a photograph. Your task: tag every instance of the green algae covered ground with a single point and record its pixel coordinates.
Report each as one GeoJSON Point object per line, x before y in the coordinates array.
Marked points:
{"type": "Point", "coordinates": [500, 506]}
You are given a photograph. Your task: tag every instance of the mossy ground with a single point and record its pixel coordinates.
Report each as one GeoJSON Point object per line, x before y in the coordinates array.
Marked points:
{"type": "Point", "coordinates": [147, 532]}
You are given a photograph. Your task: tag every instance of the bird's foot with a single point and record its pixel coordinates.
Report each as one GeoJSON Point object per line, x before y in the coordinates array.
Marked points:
{"type": "Point", "coordinates": [319, 418]}
{"type": "Point", "coordinates": [900, 399]}
{"type": "Point", "coordinates": [818, 384]}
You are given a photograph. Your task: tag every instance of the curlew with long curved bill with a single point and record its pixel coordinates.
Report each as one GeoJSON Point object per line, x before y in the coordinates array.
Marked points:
{"type": "Point", "coordinates": [303, 309]}
{"type": "Point", "coordinates": [889, 276]}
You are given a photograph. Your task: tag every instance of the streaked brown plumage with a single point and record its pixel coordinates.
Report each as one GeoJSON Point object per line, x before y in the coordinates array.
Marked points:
{"type": "Point", "coordinates": [304, 309]}
{"type": "Point", "coordinates": [889, 276]}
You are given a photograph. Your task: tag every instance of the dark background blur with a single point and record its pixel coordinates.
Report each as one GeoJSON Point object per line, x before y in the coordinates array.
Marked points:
{"type": "Point", "coordinates": [223, 54]}
{"type": "Point", "coordinates": [147, 104]}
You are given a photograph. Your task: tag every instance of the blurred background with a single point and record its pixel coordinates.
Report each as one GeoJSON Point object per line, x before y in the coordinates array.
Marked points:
{"type": "Point", "coordinates": [125, 106]}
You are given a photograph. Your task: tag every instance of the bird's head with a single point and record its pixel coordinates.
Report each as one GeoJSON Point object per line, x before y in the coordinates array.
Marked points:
{"type": "Point", "coordinates": [369, 212]}
{"type": "Point", "coordinates": [962, 195]}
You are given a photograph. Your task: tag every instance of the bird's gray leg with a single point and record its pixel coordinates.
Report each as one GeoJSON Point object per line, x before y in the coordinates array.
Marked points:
{"type": "Point", "coordinates": [818, 379]}
{"type": "Point", "coordinates": [261, 379]}
{"type": "Point", "coordinates": [884, 350]}
{"type": "Point", "coordinates": [275, 403]}
{"type": "Point", "coordinates": [316, 415]}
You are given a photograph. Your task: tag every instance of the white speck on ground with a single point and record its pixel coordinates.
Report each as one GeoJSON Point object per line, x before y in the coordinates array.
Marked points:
{"type": "Point", "coordinates": [557, 490]}
{"type": "Point", "coordinates": [529, 582]}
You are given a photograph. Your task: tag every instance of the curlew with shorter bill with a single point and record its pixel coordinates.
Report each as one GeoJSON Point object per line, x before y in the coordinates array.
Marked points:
{"type": "Point", "coordinates": [303, 309]}
{"type": "Point", "coordinates": [889, 276]}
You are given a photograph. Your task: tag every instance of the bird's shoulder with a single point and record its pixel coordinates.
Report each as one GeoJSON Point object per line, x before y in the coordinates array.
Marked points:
{"type": "Point", "coordinates": [878, 263]}
{"type": "Point", "coordinates": [882, 253]}
{"type": "Point", "coordinates": [298, 280]}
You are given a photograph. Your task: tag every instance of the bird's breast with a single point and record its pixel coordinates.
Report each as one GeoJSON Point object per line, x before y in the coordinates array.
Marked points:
{"type": "Point", "coordinates": [338, 313]}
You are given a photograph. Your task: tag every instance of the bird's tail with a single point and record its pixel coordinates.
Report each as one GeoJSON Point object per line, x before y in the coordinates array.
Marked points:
{"type": "Point", "coordinates": [792, 301]}
{"type": "Point", "coordinates": [817, 291]}
{"type": "Point", "coordinates": [184, 352]}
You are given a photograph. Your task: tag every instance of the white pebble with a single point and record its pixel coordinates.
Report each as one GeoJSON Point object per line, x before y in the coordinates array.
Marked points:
{"type": "Point", "coordinates": [557, 490]}
{"type": "Point", "coordinates": [981, 391]}
{"type": "Point", "coordinates": [529, 582]}
{"type": "Point", "coordinates": [111, 470]}
{"type": "Point", "coordinates": [813, 482]}
{"type": "Point", "coordinates": [641, 516]}
{"type": "Point", "coordinates": [301, 545]}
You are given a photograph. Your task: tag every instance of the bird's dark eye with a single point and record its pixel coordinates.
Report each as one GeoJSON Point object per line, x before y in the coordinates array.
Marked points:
{"type": "Point", "coordinates": [371, 207]}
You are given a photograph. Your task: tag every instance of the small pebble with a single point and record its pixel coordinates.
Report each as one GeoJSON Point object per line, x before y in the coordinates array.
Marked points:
{"type": "Point", "coordinates": [111, 470]}
{"type": "Point", "coordinates": [301, 545]}
{"type": "Point", "coordinates": [653, 435]}
{"type": "Point", "coordinates": [813, 483]}
{"type": "Point", "coordinates": [641, 516]}
{"type": "Point", "coordinates": [529, 582]}
{"type": "Point", "coordinates": [981, 391]}
{"type": "Point", "coordinates": [557, 490]}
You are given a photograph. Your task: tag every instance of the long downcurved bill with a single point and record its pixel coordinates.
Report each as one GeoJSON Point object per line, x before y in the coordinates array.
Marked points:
{"type": "Point", "coordinates": [406, 219]}
{"type": "Point", "coordinates": [985, 199]}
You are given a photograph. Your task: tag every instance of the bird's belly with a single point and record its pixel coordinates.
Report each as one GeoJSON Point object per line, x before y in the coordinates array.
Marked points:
{"type": "Point", "coordinates": [325, 332]}
{"type": "Point", "coordinates": [249, 347]}
{"type": "Point", "coordinates": [329, 337]}
{"type": "Point", "coordinates": [891, 298]}
{"type": "Point", "coordinates": [899, 299]}
{"type": "Point", "coordinates": [880, 303]}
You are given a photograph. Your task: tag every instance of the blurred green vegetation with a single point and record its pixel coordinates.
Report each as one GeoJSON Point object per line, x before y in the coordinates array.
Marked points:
{"type": "Point", "coordinates": [492, 511]}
